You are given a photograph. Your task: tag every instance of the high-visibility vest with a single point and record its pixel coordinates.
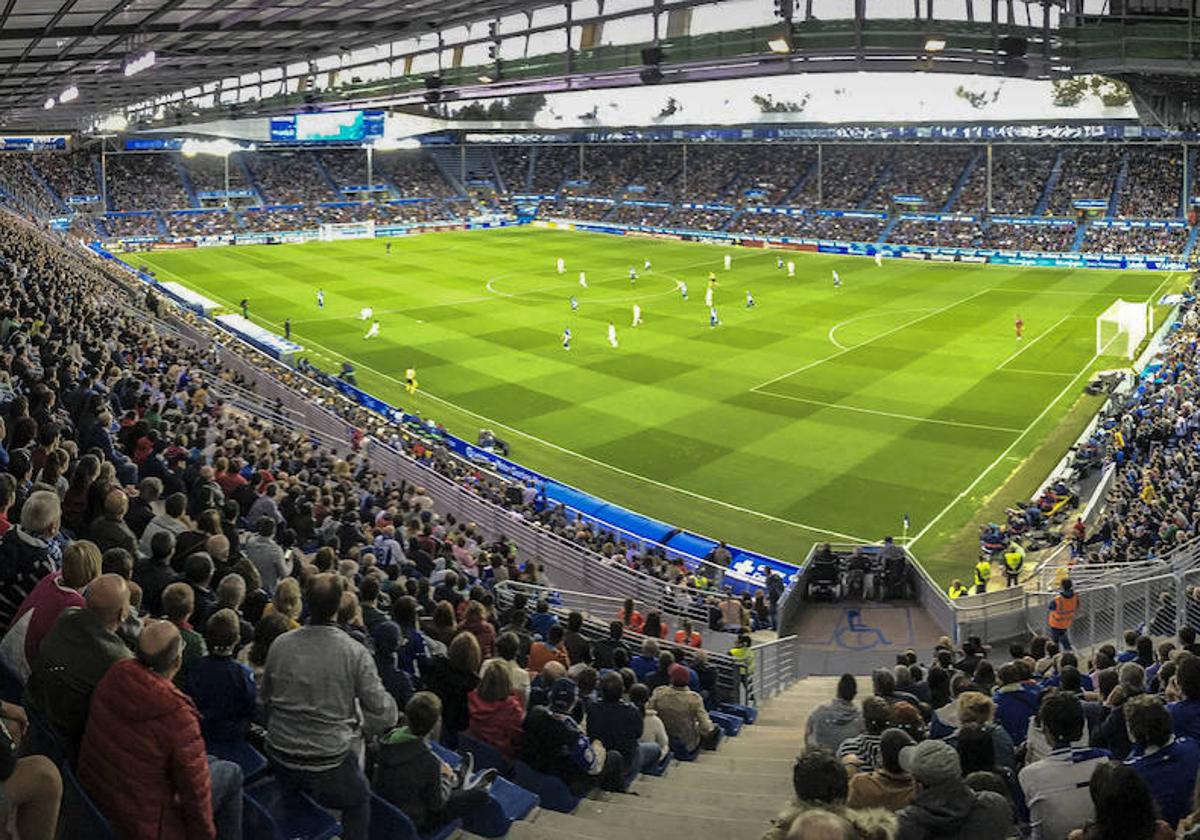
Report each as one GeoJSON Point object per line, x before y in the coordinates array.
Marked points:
{"type": "Point", "coordinates": [1015, 558]}
{"type": "Point", "coordinates": [956, 592]}
{"type": "Point", "coordinates": [983, 571]}
{"type": "Point", "coordinates": [1062, 613]}
{"type": "Point", "coordinates": [744, 658]}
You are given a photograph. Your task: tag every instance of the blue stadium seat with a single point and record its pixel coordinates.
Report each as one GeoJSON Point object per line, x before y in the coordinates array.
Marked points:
{"type": "Point", "coordinates": [241, 753]}
{"type": "Point", "coordinates": [390, 823]}
{"type": "Point", "coordinates": [747, 713]}
{"type": "Point", "coordinates": [12, 687]}
{"type": "Point", "coordinates": [681, 753]}
{"type": "Point", "coordinates": [550, 790]}
{"type": "Point", "coordinates": [256, 822]}
{"type": "Point", "coordinates": [507, 804]}
{"type": "Point", "coordinates": [731, 725]}
{"type": "Point", "coordinates": [486, 756]}
{"type": "Point", "coordinates": [661, 768]}
{"type": "Point", "coordinates": [80, 817]}
{"type": "Point", "coordinates": [42, 739]}
{"type": "Point", "coordinates": [294, 815]}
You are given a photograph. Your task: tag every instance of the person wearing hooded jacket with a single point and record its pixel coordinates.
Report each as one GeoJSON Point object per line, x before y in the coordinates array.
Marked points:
{"type": "Point", "coordinates": [944, 807]}
{"type": "Point", "coordinates": [832, 723]}
{"type": "Point", "coordinates": [143, 758]}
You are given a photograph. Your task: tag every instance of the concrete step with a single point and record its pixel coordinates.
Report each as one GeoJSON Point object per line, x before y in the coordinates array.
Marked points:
{"type": "Point", "coordinates": [621, 824]}
{"type": "Point", "coordinates": [569, 826]}
{"type": "Point", "coordinates": [632, 811]}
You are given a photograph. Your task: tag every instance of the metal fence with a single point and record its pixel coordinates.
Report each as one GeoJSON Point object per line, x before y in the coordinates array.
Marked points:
{"type": "Point", "coordinates": [776, 666]}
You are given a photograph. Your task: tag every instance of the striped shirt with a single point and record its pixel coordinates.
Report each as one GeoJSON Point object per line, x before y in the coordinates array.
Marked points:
{"type": "Point", "coordinates": [1056, 791]}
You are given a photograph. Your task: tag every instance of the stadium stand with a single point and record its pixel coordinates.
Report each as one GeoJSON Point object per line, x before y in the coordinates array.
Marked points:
{"type": "Point", "coordinates": [645, 171]}
{"type": "Point", "coordinates": [943, 234]}
{"type": "Point", "coordinates": [413, 175]}
{"type": "Point", "coordinates": [928, 174]}
{"type": "Point", "coordinates": [17, 178]}
{"type": "Point", "coordinates": [144, 182]}
{"type": "Point", "coordinates": [1087, 174]}
{"type": "Point", "coordinates": [850, 174]}
{"type": "Point", "coordinates": [1153, 191]}
{"type": "Point", "coordinates": [291, 178]}
{"type": "Point", "coordinates": [1019, 175]}
{"type": "Point", "coordinates": [1141, 240]}
{"type": "Point", "coordinates": [68, 174]}
{"type": "Point", "coordinates": [207, 173]}
{"type": "Point", "coordinates": [1053, 238]}
{"type": "Point", "coordinates": [514, 166]}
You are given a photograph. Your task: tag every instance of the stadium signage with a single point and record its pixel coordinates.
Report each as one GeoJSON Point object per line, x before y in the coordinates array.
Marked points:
{"type": "Point", "coordinates": [224, 194]}
{"type": "Point", "coordinates": [725, 208]}
{"type": "Point", "coordinates": [357, 188]}
{"type": "Point", "coordinates": [1033, 220]}
{"type": "Point", "coordinates": [936, 217]}
{"type": "Point", "coordinates": [47, 143]}
{"type": "Point", "coordinates": [852, 214]}
{"type": "Point", "coordinates": [1090, 203]}
{"type": "Point", "coordinates": [83, 199]}
{"type": "Point", "coordinates": [649, 203]}
{"type": "Point", "coordinates": [327, 127]}
{"type": "Point", "coordinates": [1127, 224]}
{"type": "Point", "coordinates": [908, 199]}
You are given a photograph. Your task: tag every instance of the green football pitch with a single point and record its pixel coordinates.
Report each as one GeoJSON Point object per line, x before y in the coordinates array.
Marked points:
{"type": "Point", "coordinates": [822, 413]}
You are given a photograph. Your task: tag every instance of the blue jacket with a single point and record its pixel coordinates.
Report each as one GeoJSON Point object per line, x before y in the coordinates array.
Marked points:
{"type": "Point", "coordinates": [540, 623]}
{"type": "Point", "coordinates": [1170, 773]}
{"type": "Point", "coordinates": [1013, 711]}
{"type": "Point", "coordinates": [224, 692]}
{"type": "Point", "coordinates": [643, 666]}
{"type": "Point", "coordinates": [1185, 718]}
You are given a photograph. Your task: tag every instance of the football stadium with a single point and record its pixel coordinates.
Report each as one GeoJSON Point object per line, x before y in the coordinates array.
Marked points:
{"type": "Point", "coordinates": [599, 420]}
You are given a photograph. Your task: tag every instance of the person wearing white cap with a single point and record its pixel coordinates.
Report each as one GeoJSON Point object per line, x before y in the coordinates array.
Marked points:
{"type": "Point", "coordinates": [945, 808]}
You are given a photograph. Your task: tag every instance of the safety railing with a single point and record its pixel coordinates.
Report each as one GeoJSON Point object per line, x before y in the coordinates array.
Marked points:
{"type": "Point", "coordinates": [776, 667]}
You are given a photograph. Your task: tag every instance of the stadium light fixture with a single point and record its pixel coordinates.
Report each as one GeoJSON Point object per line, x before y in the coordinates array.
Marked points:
{"type": "Point", "coordinates": [217, 148]}
{"type": "Point", "coordinates": [142, 62]}
{"type": "Point", "coordinates": [49, 103]}
{"type": "Point", "coordinates": [935, 44]}
{"type": "Point", "coordinates": [486, 78]}
{"type": "Point", "coordinates": [780, 44]}
{"type": "Point", "coordinates": [114, 123]}
{"type": "Point", "coordinates": [69, 95]}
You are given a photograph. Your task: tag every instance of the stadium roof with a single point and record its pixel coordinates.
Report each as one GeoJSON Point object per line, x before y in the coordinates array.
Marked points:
{"type": "Point", "coordinates": [47, 46]}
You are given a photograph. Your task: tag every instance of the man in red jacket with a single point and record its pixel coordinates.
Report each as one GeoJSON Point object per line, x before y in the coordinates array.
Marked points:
{"type": "Point", "coordinates": [143, 759]}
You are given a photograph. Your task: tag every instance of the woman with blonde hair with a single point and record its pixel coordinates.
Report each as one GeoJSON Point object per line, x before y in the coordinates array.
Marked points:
{"type": "Point", "coordinates": [286, 602]}
{"type": "Point", "coordinates": [976, 707]}
{"type": "Point", "coordinates": [495, 710]}
{"type": "Point", "coordinates": [53, 594]}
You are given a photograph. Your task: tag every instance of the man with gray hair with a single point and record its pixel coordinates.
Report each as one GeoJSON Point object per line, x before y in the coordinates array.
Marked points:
{"type": "Point", "coordinates": [28, 552]}
{"type": "Point", "coordinates": [143, 756]}
{"type": "Point", "coordinates": [1113, 734]}
{"type": "Point", "coordinates": [145, 505]}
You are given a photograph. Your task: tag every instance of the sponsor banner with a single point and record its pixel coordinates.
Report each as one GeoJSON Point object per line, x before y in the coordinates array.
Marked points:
{"type": "Point", "coordinates": [648, 203]}
{"type": "Point", "coordinates": [83, 199]}
{"type": "Point", "coordinates": [1032, 220]}
{"type": "Point", "coordinates": [908, 199]}
{"type": "Point", "coordinates": [935, 217]}
{"type": "Point", "coordinates": [44, 143]}
{"type": "Point", "coordinates": [635, 188]}
{"type": "Point", "coordinates": [153, 144]}
{"type": "Point", "coordinates": [589, 199]}
{"type": "Point", "coordinates": [972, 258]}
{"type": "Point", "coordinates": [224, 194]}
{"type": "Point", "coordinates": [1124, 224]}
{"type": "Point", "coordinates": [852, 214]}
{"type": "Point", "coordinates": [1090, 203]}
{"type": "Point", "coordinates": [938, 256]}
{"type": "Point", "coordinates": [914, 255]}
{"type": "Point", "coordinates": [172, 245]}
{"type": "Point", "coordinates": [728, 208]}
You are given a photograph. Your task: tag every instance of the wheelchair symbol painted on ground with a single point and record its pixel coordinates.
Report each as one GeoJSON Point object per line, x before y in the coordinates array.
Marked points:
{"type": "Point", "coordinates": [852, 634]}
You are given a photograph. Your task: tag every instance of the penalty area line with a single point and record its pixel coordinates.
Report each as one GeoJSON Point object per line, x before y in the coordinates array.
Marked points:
{"type": "Point", "coordinates": [912, 417]}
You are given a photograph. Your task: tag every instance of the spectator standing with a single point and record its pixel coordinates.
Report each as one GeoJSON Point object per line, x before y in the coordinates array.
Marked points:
{"type": "Point", "coordinates": [1062, 614]}
{"type": "Point", "coordinates": [1015, 703]}
{"type": "Point", "coordinates": [178, 603]}
{"type": "Point", "coordinates": [266, 555]}
{"type": "Point", "coordinates": [1056, 787]}
{"type": "Point", "coordinates": [832, 723]}
{"type": "Point", "coordinates": [323, 694]}
{"type": "Point", "coordinates": [155, 573]}
{"type": "Point", "coordinates": [388, 637]}
{"type": "Point", "coordinates": [143, 758]}
{"type": "Point", "coordinates": [507, 647]}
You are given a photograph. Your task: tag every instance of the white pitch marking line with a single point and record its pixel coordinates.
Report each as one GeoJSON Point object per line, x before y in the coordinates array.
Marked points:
{"type": "Point", "coordinates": [882, 335]}
{"type": "Point", "coordinates": [1025, 347]}
{"type": "Point", "coordinates": [492, 422]}
{"type": "Point", "coordinates": [1038, 372]}
{"type": "Point", "coordinates": [1005, 454]}
{"type": "Point", "coordinates": [912, 417]}
{"type": "Point", "coordinates": [833, 330]}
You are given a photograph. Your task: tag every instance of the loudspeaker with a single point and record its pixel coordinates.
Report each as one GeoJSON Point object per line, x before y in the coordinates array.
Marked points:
{"type": "Point", "coordinates": [652, 55]}
{"type": "Point", "coordinates": [651, 76]}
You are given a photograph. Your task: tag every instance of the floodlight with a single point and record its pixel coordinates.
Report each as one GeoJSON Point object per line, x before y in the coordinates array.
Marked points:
{"type": "Point", "coordinates": [781, 44]}
{"type": "Point", "coordinates": [114, 122]}
{"type": "Point", "coordinates": [69, 95]}
{"type": "Point", "coordinates": [387, 144]}
{"type": "Point", "coordinates": [49, 103]}
{"type": "Point", "coordinates": [935, 43]}
{"type": "Point", "coordinates": [486, 78]}
{"type": "Point", "coordinates": [142, 62]}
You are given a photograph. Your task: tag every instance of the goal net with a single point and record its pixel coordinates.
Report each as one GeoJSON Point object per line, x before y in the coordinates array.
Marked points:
{"type": "Point", "coordinates": [348, 230]}
{"type": "Point", "coordinates": [1121, 328]}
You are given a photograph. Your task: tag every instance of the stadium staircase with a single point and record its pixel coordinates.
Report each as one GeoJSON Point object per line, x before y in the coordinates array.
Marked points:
{"type": "Point", "coordinates": [1189, 181]}
{"type": "Point", "coordinates": [1191, 243]}
{"type": "Point", "coordinates": [1114, 199]}
{"type": "Point", "coordinates": [161, 222]}
{"type": "Point", "coordinates": [800, 185]}
{"type": "Point", "coordinates": [186, 178]}
{"type": "Point", "coordinates": [733, 792]}
{"type": "Point", "coordinates": [881, 177]}
{"type": "Point", "coordinates": [98, 171]}
{"type": "Point", "coordinates": [252, 179]}
{"type": "Point", "coordinates": [1043, 201]}
{"type": "Point", "coordinates": [1080, 234]}
{"type": "Point", "coordinates": [737, 214]}
{"type": "Point", "coordinates": [50, 191]}
{"type": "Point", "coordinates": [326, 176]}
{"type": "Point", "coordinates": [893, 220]}
{"type": "Point", "coordinates": [961, 183]}
{"type": "Point", "coordinates": [447, 161]}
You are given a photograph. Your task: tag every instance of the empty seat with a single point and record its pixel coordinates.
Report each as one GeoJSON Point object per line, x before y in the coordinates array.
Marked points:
{"type": "Point", "coordinates": [80, 817]}
{"type": "Point", "coordinates": [486, 756]}
{"type": "Point", "coordinates": [747, 713]}
{"type": "Point", "coordinates": [731, 725]}
{"type": "Point", "coordinates": [508, 803]}
{"type": "Point", "coordinates": [390, 823]}
{"type": "Point", "coordinates": [551, 791]}
{"type": "Point", "coordinates": [293, 814]}
{"type": "Point", "coordinates": [241, 753]}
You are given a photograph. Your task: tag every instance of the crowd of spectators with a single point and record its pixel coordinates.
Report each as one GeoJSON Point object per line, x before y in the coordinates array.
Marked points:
{"type": "Point", "coordinates": [1088, 172]}
{"type": "Point", "coordinates": [588, 211]}
{"type": "Point", "coordinates": [941, 234]}
{"type": "Point", "coordinates": [770, 175]}
{"type": "Point", "coordinates": [120, 226]}
{"type": "Point", "coordinates": [635, 214]}
{"type": "Point", "coordinates": [848, 174]}
{"type": "Point", "coordinates": [69, 174]}
{"type": "Point", "coordinates": [513, 163]}
{"type": "Point", "coordinates": [207, 173]}
{"type": "Point", "coordinates": [552, 166]}
{"type": "Point", "coordinates": [291, 178]}
{"type": "Point", "coordinates": [1052, 238]}
{"type": "Point", "coordinates": [16, 178]}
{"type": "Point", "coordinates": [847, 228]}
{"type": "Point", "coordinates": [769, 224]}
{"type": "Point", "coordinates": [347, 167]}
{"type": "Point", "coordinates": [413, 174]}
{"type": "Point", "coordinates": [1019, 175]}
{"type": "Point", "coordinates": [1043, 743]}
{"type": "Point", "coordinates": [927, 172]}
{"type": "Point", "coordinates": [214, 223]}
{"type": "Point", "coordinates": [697, 219]}
{"type": "Point", "coordinates": [139, 181]}
{"type": "Point", "coordinates": [712, 171]}
{"type": "Point", "coordinates": [1154, 187]}
{"type": "Point", "coordinates": [651, 169]}
{"type": "Point", "coordinates": [1146, 240]}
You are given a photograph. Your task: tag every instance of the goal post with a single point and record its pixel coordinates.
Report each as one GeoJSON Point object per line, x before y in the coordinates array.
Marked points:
{"type": "Point", "coordinates": [332, 231]}
{"type": "Point", "coordinates": [1121, 328]}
